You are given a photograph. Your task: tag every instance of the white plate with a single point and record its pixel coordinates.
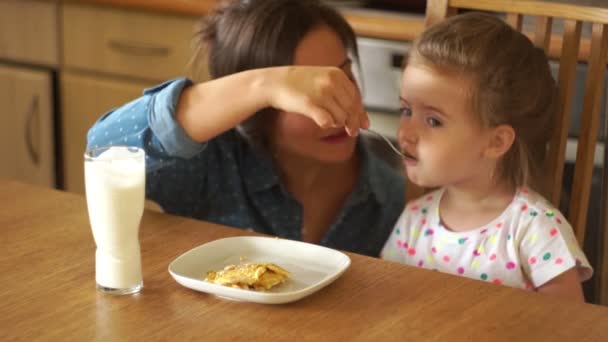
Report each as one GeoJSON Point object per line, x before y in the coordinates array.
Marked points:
{"type": "Point", "coordinates": [312, 267]}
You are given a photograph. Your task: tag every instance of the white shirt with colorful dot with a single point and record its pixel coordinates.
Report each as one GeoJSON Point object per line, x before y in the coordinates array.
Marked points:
{"type": "Point", "coordinates": [527, 245]}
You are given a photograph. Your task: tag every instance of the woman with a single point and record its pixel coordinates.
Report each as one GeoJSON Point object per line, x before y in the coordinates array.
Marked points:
{"type": "Point", "coordinates": [271, 142]}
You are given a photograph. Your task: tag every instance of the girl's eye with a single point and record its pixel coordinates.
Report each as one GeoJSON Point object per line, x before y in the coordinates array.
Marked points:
{"type": "Point", "coordinates": [405, 111]}
{"type": "Point", "coordinates": [433, 122]}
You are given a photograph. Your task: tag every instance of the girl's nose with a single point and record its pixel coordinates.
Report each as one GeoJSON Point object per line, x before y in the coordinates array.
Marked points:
{"type": "Point", "coordinates": [407, 131]}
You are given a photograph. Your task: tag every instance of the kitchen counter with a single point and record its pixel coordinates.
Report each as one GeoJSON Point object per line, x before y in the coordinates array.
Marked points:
{"type": "Point", "coordinates": [185, 7]}
{"type": "Point", "coordinates": [377, 24]}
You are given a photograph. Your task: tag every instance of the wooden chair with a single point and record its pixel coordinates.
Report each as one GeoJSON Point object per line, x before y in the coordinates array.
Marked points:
{"type": "Point", "coordinates": [570, 48]}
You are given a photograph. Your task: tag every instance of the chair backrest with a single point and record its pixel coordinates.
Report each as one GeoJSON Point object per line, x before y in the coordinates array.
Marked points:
{"type": "Point", "coordinates": [574, 14]}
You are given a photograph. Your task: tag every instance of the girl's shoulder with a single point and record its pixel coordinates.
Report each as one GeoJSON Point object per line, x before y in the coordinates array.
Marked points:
{"type": "Point", "coordinates": [530, 210]}
{"type": "Point", "coordinates": [530, 201]}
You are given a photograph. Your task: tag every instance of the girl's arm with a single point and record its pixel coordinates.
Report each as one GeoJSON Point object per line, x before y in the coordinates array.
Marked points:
{"type": "Point", "coordinates": [325, 94]}
{"type": "Point", "coordinates": [549, 253]}
{"type": "Point", "coordinates": [567, 285]}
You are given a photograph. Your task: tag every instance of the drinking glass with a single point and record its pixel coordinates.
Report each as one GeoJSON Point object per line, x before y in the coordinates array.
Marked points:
{"type": "Point", "coordinates": [115, 178]}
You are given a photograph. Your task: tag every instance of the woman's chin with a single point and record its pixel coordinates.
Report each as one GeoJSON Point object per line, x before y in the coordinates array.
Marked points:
{"type": "Point", "coordinates": [335, 158]}
{"type": "Point", "coordinates": [337, 155]}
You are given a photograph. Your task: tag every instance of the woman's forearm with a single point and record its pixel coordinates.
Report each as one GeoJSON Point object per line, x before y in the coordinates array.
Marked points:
{"type": "Point", "coordinates": [206, 110]}
{"type": "Point", "coordinates": [324, 94]}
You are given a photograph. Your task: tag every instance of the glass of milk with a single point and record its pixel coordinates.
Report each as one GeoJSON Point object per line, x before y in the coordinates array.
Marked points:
{"type": "Point", "coordinates": [115, 178]}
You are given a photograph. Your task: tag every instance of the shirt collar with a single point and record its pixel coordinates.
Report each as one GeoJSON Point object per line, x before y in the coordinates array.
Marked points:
{"type": "Point", "coordinates": [370, 179]}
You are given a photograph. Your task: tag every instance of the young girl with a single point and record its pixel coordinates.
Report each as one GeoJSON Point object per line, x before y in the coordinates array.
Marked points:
{"type": "Point", "coordinates": [478, 103]}
{"type": "Point", "coordinates": [266, 145]}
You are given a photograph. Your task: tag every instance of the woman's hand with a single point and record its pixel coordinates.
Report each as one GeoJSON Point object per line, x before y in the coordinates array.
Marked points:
{"type": "Point", "coordinates": [325, 94]}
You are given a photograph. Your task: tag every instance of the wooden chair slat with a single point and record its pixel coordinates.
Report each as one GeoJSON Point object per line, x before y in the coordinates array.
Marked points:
{"type": "Point", "coordinates": [567, 73]}
{"type": "Point", "coordinates": [601, 268]}
{"type": "Point", "coordinates": [581, 187]}
{"type": "Point", "coordinates": [436, 11]}
{"type": "Point", "coordinates": [515, 20]}
{"type": "Point", "coordinates": [542, 37]}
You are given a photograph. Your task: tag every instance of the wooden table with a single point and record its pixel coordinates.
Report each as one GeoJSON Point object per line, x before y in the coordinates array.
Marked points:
{"type": "Point", "coordinates": [47, 292]}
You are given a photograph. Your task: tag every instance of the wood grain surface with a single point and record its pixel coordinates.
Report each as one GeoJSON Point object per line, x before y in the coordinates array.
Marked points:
{"type": "Point", "coordinates": [47, 292]}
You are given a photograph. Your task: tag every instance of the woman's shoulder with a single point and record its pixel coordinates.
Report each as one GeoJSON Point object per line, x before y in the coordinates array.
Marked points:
{"type": "Point", "coordinates": [377, 167]}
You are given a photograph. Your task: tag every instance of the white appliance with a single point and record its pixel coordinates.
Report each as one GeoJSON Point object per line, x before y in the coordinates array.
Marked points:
{"type": "Point", "coordinates": [379, 77]}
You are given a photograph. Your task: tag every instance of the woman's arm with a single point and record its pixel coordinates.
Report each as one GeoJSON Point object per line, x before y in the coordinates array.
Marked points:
{"type": "Point", "coordinates": [567, 285]}
{"type": "Point", "coordinates": [325, 94]}
{"type": "Point", "coordinates": [147, 122]}
{"type": "Point", "coordinates": [173, 119]}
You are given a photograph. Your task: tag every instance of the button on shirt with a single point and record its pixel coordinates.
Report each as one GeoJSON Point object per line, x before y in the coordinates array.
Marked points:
{"type": "Point", "coordinates": [228, 181]}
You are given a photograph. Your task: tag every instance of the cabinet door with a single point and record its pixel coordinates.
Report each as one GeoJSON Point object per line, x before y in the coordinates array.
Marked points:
{"type": "Point", "coordinates": [148, 46]}
{"type": "Point", "coordinates": [29, 31]}
{"type": "Point", "coordinates": [84, 99]}
{"type": "Point", "coordinates": [27, 148]}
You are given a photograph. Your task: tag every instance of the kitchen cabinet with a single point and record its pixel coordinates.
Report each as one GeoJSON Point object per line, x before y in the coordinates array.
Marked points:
{"type": "Point", "coordinates": [109, 56]}
{"type": "Point", "coordinates": [128, 43]}
{"type": "Point", "coordinates": [26, 125]}
{"type": "Point", "coordinates": [28, 57]}
{"type": "Point", "coordinates": [28, 32]}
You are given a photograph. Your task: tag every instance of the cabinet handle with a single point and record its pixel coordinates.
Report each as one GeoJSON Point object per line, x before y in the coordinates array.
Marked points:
{"type": "Point", "coordinates": [33, 114]}
{"type": "Point", "coordinates": [138, 49]}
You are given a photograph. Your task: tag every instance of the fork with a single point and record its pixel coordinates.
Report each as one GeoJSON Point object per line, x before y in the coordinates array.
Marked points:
{"type": "Point", "coordinates": [387, 140]}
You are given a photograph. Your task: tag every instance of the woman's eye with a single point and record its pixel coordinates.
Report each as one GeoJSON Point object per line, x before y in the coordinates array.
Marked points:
{"type": "Point", "coordinates": [405, 111]}
{"type": "Point", "coordinates": [433, 122]}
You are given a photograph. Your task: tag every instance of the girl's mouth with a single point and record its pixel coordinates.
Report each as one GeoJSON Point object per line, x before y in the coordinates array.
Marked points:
{"type": "Point", "coordinates": [408, 157]}
{"type": "Point", "coordinates": [336, 138]}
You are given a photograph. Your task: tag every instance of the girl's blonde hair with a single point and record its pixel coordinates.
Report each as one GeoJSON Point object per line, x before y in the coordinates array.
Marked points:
{"type": "Point", "coordinates": [512, 84]}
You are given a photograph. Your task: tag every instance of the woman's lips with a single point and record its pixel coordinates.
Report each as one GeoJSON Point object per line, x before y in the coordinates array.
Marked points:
{"type": "Point", "coordinates": [336, 138]}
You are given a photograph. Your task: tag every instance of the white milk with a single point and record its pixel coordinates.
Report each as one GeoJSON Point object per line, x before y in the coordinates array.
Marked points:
{"type": "Point", "coordinates": [115, 190]}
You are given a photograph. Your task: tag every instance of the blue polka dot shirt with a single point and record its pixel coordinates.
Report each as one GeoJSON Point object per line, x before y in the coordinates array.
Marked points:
{"type": "Point", "coordinates": [227, 181]}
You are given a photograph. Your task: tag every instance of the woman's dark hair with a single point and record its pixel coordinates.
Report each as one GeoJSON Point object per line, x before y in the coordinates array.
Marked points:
{"type": "Point", "coordinates": [251, 34]}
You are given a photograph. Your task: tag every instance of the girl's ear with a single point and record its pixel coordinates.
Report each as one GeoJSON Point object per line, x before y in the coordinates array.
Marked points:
{"type": "Point", "coordinates": [501, 140]}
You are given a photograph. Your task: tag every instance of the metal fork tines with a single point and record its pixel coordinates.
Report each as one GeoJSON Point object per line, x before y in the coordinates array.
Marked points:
{"type": "Point", "coordinates": [387, 140]}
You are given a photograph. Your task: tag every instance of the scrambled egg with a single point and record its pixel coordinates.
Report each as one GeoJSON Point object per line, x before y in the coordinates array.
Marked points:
{"type": "Point", "coordinates": [251, 276]}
